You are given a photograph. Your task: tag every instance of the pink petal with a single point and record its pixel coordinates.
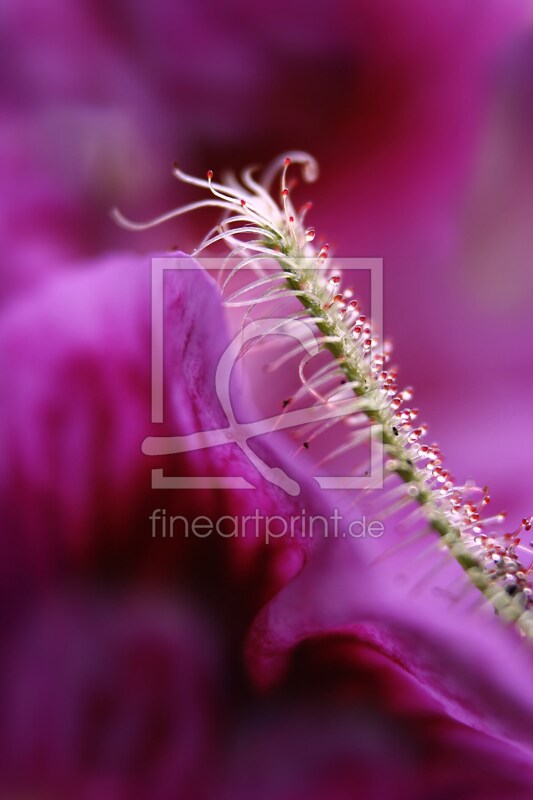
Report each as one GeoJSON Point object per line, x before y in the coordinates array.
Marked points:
{"type": "Point", "coordinates": [476, 668]}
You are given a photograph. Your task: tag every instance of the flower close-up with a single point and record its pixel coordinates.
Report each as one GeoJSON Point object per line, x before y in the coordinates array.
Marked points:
{"type": "Point", "coordinates": [265, 336]}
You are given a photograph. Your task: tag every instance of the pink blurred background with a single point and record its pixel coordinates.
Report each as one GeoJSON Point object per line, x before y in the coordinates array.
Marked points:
{"type": "Point", "coordinates": [421, 116]}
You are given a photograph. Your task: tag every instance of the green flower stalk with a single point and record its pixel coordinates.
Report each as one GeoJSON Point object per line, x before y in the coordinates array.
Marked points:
{"type": "Point", "coordinates": [258, 226]}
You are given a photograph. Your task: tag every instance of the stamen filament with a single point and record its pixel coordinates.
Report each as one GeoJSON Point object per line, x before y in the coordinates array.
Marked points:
{"type": "Point", "coordinates": [489, 561]}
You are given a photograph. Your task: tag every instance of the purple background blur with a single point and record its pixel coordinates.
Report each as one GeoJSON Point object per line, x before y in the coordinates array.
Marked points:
{"type": "Point", "coordinates": [419, 113]}
{"type": "Point", "coordinates": [421, 116]}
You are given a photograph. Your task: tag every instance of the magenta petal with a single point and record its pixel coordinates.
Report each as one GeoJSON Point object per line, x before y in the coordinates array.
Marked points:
{"type": "Point", "coordinates": [348, 718]}
{"type": "Point", "coordinates": [75, 487]}
{"type": "Point", "coordinates": [476, 668]}
{"type": "Point", "coordinates": [73, 408]}
{"type": "Point", "coordinates": [103, 700]}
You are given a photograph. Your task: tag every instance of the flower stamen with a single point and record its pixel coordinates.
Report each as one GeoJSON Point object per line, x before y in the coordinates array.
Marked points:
{"type": "Point", "coordinates": [256, 227]}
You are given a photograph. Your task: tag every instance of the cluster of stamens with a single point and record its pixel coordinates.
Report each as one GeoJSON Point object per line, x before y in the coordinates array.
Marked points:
{"type": "Point", "coordinates": [256, 227]}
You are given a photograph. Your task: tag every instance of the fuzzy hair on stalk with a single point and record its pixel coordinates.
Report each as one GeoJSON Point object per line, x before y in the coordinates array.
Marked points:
{"type": "Point", "coordinates": [260, 222]}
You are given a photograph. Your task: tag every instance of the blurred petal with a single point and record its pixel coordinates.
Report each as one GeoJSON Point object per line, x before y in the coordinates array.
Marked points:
{"type": "Point", "coordinates": [347, 722]}
{"type": "Point", "coordinates": [105, 700]}
{"type": "Point", "coordinates": [473, 665]}
{"type": "Point", "coordinates": [75, 487]}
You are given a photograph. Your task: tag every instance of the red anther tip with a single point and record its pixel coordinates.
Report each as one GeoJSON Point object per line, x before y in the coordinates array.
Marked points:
{"type": "Point", "coordinates": [209, 174]}
{"type": "Point", "coordinates": [285, 193]}
{"type": "Point", "coordinates": [243, 203]}
{"type": "Point", "coordinates": [291, 219]}
{"type": "Point", "coordinates": [287, 161]}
